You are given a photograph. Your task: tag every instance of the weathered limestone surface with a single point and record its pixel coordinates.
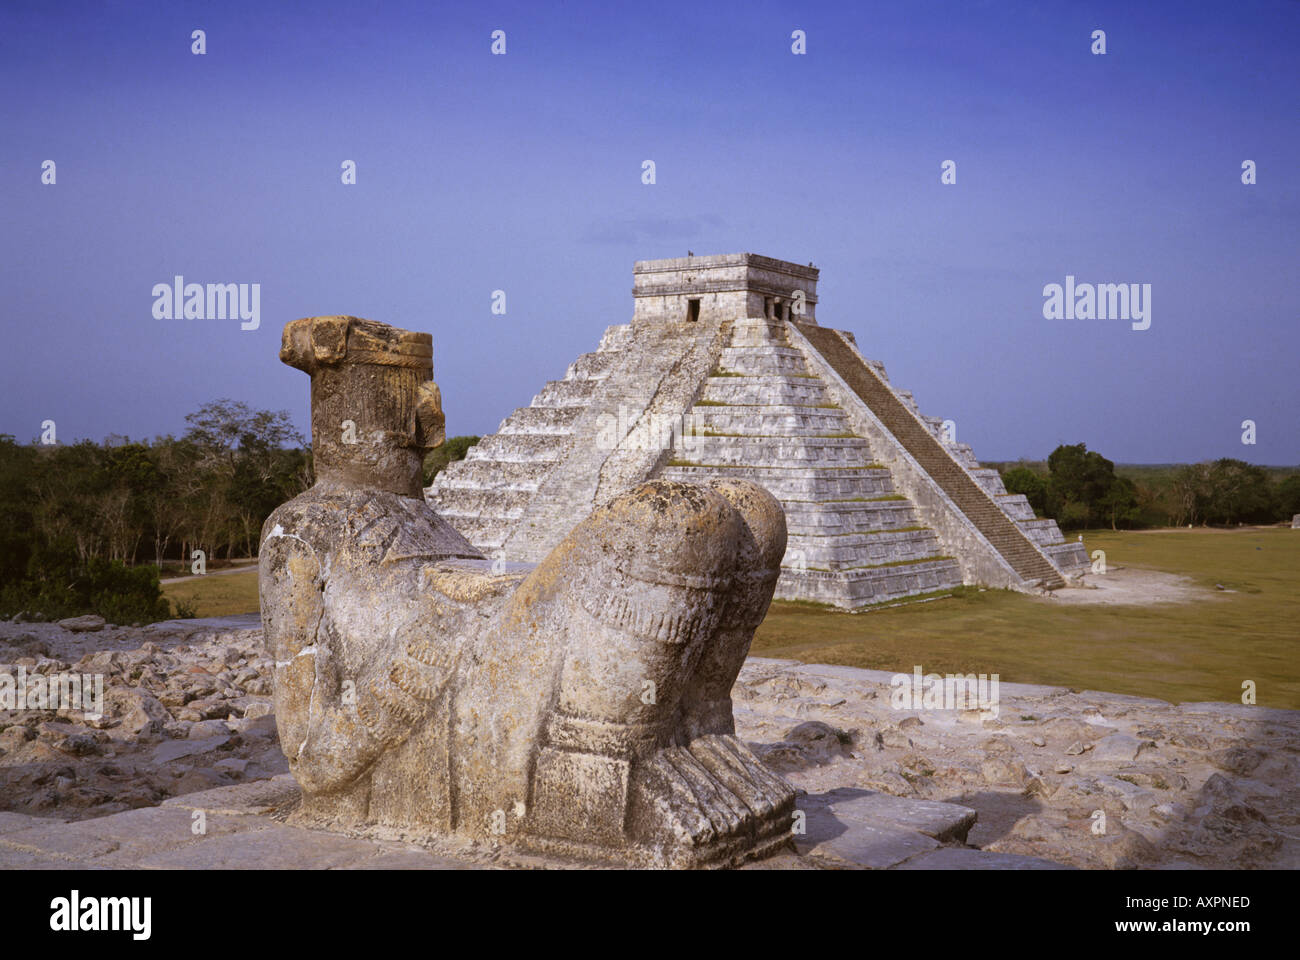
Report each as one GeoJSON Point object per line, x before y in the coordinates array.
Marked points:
{"type": "Point", "coordinates": [722, 287]}
{"type": "Point", "coordinates": [581, 707]}
{"type": "Point", "coordinates": [1187, 786]}
{"type": "Point", "coordinates": [240, 830]}
{"type": "Point", "coordinates": [659, 376]}
{"type": "Point", "coordinates": [854, 540]}
{"type": "Point", "coordinates": [1209, 785]}
{"type": "Point", "coordinates": [739, 392]}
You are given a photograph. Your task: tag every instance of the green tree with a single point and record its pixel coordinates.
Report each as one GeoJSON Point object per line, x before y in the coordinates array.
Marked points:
{"type": "Point", "coordinates": [245, 471]}
{"type": "Point", "coordinates": [74, 517]}
{"type": "Point", "coordinates": [1119, 505]}
{"type": "Point", "coordinates": [1237, 492]}
{"type": "Point", "coordinates": [1079, 480]}
{"type": "Point", "coordinates": [17, 497]}
{"type": "Point", "coordinates": [1190, 493]}
{"type": "Point", "coordinates": [1288, 497]}
{"type": "Point", "coordinates": [1030, 483]}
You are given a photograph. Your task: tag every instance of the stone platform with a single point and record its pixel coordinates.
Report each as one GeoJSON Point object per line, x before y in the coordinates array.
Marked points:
{"type": "Point", "coordinates": [188, 725]}
{"type": "Point", "coordinates": [243, 827]}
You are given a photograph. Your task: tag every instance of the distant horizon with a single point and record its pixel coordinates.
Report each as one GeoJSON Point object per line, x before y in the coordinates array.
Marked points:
{"type": "Point", "coordinates": [983, 460]}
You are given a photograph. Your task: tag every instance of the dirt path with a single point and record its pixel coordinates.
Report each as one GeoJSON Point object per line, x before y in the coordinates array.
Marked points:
{"type": "Point", "coordinates": [243, 567]}
{"type": "Point", "coordinates": [1135, 587]}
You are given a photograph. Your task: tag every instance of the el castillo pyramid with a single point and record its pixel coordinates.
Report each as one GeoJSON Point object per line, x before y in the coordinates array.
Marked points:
{"type": "Point", "coordinates": [724, 371]}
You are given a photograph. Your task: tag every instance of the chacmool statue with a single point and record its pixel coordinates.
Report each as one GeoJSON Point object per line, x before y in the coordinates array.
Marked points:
{"type": "Point", "coordinates": [580, 707]}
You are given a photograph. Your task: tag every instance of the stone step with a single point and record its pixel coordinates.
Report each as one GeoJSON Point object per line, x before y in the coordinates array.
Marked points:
{"type": "Point", "coordinates": [457, 502]}
{"type": "Point", "coordinates": [964, 455]}
{"type": "Point", "coordinates": [763, 361]}
{"type": "Point", "coordinates": [798, 483]}
{"type": "Point", "coordinates": [774, 451]}
{"type": "Point", "coordinates": [1044, 533]}
{"type": "Point", "coordinates": [944, 822]}
{"type": "Point", "coordinates": [615, 337]}
{"type": "Point", "coordinates": [831, 519]}
{"type": "Point", "coordinates": [754, 332]}
{"type": "Point", "coordinates": [566, 393]}
{"type": "Point", "coordinates": [1070, 556]}
{"type": "Point", "coordinates": [483, 474]}
{"type": "Point", "coordinates": [519, 447]}
{"type": "Point", "coordinates": [852, 589]}
{"type": "Point", "coordinates": [557, 420]}
{"type": "Point", "coordinates": [766, 390]}
{"type": "Point", "coordinates": [861, 550]}
{"type": "Point", "coordinates": [908, 401]}
{"type": "Point", "coordinates": [990, 480]}
{"type": "Point", "coordinates": [1016, 506]}
{"type": "Point", "coordinates": [743, 350]}
{"type": "Point", "coordinates": [593, 366]}
{"type": "Point", "coordinates": [770, 420]}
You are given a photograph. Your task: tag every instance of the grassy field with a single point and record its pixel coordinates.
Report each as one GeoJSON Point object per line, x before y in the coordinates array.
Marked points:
{"type": "Point", "coordinates": [1190, 651]}
{"type": "Point", "coordinates": [1178, 652]}
{"type": "Point", "coordinates": [218, 596]}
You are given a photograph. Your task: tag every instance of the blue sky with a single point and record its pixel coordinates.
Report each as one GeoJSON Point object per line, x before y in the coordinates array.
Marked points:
{"type": "Point", "coordinates": [523, 173]}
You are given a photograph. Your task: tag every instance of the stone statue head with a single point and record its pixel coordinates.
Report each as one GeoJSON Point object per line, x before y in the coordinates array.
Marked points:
{"type": "Point", "coordinates": [375, 410]}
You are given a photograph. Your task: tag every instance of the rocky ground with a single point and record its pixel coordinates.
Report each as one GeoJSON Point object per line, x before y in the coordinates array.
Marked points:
{"type": "Point", "coordinates": [187, 706]}
{"type": "Point", "coordinates": [1197, 785]}
{"type": "Point", "coordinates": [188, 725]}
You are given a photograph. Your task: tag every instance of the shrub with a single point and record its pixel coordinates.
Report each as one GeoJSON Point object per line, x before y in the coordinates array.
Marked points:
{"type": "Point", "coordinates": [122, 594]}
{"type": "Point", "coordinates": [1032, 485]}
{"type": "Point", "coordinates": [118, 593]}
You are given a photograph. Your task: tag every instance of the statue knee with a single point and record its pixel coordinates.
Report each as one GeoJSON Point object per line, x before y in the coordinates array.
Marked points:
{"type": "Point", "coordinates": [657, 569]}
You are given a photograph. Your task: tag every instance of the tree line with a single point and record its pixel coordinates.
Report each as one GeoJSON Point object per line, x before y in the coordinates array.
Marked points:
{"type": "Point", "coordinates": [1079, 488]}
{"type": "Point", "coordinates": [90, 527]}
{"type": "Point", "coordinates": [84, 523]}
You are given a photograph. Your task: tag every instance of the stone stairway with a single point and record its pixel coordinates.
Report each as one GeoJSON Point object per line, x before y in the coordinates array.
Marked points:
{"type": "Point", "coordinates": [583, 440]}
{"type": "Point", "coordinates": [979, 507]}
{"type": "Point", "coordinates": [486, 494]}
{"type": "Point", "coordinates": [1069, 557]}
{"type": "Point", "coordinates": [652, 381]}
{"type": "Point", "coordinates": [762, 416]}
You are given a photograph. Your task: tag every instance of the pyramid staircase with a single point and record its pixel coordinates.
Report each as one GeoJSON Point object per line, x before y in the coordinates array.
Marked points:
{"type": "Point", "coordinates": [485, 495]}
{"type": "Point", "coordinates": [853, 539]}
{"type": "Point", "coordinates": [972, 499]}
{"type": "Point", "coordinates": [581, 441]}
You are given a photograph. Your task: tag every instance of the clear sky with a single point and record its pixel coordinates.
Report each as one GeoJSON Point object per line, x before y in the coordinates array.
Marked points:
{"type": "Point", "coordinates": [522, 172]}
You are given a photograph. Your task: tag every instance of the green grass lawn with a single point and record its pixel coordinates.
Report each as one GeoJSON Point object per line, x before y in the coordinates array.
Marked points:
{"type": "Point", "coordinates": [1178, 652]}
{"type": "Point", "coordinates": [218, 596]}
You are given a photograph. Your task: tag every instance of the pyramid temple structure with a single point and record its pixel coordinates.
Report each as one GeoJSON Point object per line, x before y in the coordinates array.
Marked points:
{"type": "Point", "coordinates": [724, 371]}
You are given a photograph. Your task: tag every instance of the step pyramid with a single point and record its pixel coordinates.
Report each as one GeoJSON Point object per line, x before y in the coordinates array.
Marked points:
{"type": "Point", "coordinates": [724, 371]}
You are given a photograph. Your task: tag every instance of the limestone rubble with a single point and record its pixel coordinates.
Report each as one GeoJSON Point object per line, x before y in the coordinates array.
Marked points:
{"type": "Point", "coordinates": [1193, 785]}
